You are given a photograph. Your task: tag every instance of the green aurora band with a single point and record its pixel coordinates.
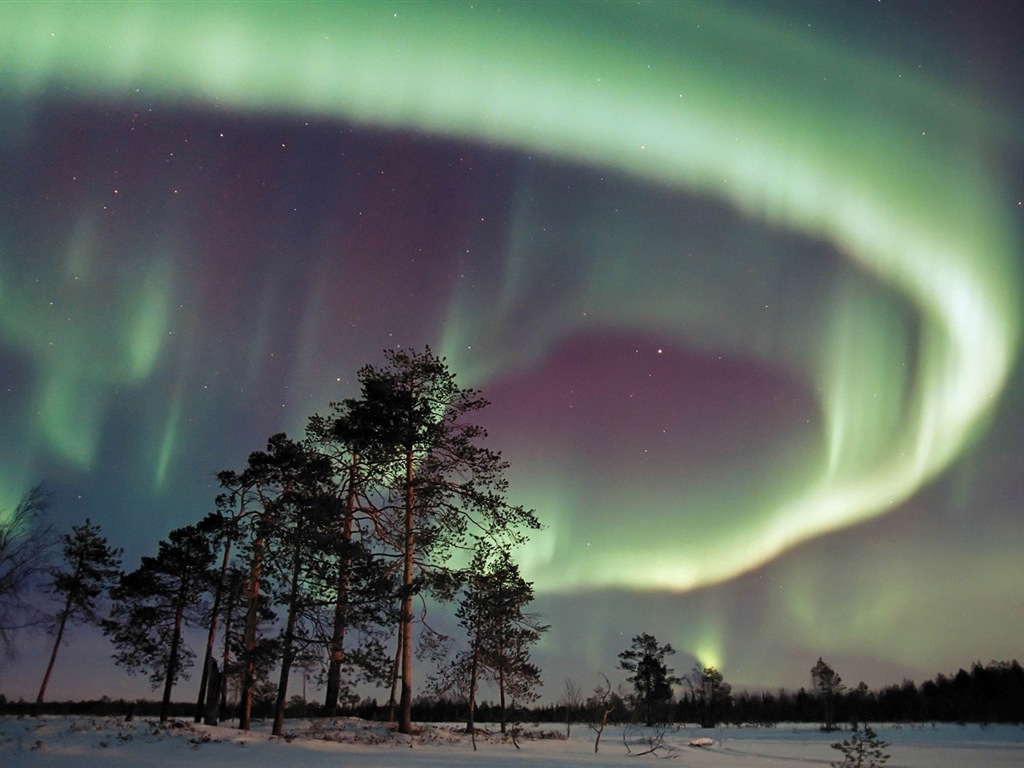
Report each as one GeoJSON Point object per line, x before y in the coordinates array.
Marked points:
{"type": "Point", "coordinates": [718, 106]}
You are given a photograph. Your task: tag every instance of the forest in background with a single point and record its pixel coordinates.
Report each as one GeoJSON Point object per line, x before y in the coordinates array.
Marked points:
{"type": "Point", "coordinates": [983, 694]}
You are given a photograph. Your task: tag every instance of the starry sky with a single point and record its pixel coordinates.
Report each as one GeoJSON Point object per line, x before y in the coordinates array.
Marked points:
{"type": "Point", "coordinates": [741, 280]}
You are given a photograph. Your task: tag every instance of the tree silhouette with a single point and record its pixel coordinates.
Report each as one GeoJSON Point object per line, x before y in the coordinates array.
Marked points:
{"type": "Point", "coordinates": [294, 527]}
{"type": "Point", "coordinates": [500, 633]}
{"type": "Point", "coordinates": [442, 489]}
{"type": "Point", "coordinates": [223, 529]}
{"type": "Point", "coordinates": [711, 694]}
{"type": "Point", "coordinates": [862, 750]}
{"type": "Point", "coordinates": [652, 680]}
{"type": "Point", "coordinates": [25, 550]}
{"type": "Point", "coordinates": [152, 605]}
{"type": "Point", "coordinates": [829, 685]}
{"type": "Point", "coordinates": [90, 569]}
{"type": "Point", "coordinates": [257, 491]}
{"type": "Point", "coordinates": [362, 582]}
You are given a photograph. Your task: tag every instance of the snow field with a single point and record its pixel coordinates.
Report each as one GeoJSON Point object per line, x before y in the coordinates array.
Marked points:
{"type": "Point", "coordinates": [93, 742]}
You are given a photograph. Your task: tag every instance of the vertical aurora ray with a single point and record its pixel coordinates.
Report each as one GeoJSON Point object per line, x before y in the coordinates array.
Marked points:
{"type": "Point", "coordinates": [720, 105]}
{"type": "Point", "coordinates": [99, 325]}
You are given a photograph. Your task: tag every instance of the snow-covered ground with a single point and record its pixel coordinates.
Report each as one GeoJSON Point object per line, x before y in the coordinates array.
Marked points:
{"type": "Point", "coordinates": [87, 742]}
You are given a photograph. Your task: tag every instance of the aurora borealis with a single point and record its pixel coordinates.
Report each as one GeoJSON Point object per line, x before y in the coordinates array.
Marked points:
{"type": "Point", "coordinates": [742, 282]}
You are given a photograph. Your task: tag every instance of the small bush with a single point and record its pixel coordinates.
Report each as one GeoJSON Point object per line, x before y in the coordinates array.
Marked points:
{"type": "Point", "coordinates": [862, 750]}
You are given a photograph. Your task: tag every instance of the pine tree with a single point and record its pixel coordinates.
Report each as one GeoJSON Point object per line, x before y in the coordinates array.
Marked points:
{"type": "Point", "coordinates": [90, 569]}
{"type": "Point", "coordinates": [500, 632]}
{"type": "Point", "coordinates": [829, 685]}
{"type": "Point", "coordinates": [442, 490]}
{"type": "Point", "coordinates": [512, 634]}
{"type": "Point", "coordinates": [152, 606]}
{"type": "Point", "coordinates": [245, 499]}
{"type": "Point", "coordinates": [361, 582]}
{"type": "Point", "coordinates": [711, 694]}
{"type": "Point", "coordinates": [296, 526]}
{"type": "Point", "coordinates": [652, 680]}
{"type": "Point", "coordinates": [239, 661]}
{"type": "Point", "coordinates": [223, 530]}
{"type": "Point", "coordinates": [256, 491]}
{"type": "Point", "coordinates": [862, 750]}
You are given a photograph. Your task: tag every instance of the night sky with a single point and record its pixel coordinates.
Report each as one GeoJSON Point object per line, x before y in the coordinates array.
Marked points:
{"type": "Point", "coordinates": [742, 282]}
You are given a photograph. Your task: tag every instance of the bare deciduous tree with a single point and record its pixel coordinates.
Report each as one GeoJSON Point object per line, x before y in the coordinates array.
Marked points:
{"type": "Point", "coordinates": [601, 702]}
{"type": "Point", "coordinates": [26, 546]}
{"type": "Point", "coordinates": [572, 700]}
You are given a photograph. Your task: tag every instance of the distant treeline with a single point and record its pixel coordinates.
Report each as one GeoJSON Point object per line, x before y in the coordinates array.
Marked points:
{"type": "Point", "coordinates": [992, 693]}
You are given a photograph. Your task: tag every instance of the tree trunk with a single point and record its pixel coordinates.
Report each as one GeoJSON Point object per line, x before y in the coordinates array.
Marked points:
{"type": "Point", "coordinates": [337, 645]}
{"type": "Point", "coordinates": [211, 638]}
{"type": "Point", "coordinates": [64, 615]}
{"type": "Point", "coordinates": [225, 663]}
{"type": "Point", "coordinates": [288, 652]}
{"type": "Point", "coordinates": [251, 618]}
{"type": "Point", "coordinates": [337, 648]}
{"type": "Point", "coordinates": [405, 704]}
{"type": "Point", "coordinates": [405, 700]}
{"type": "Point", "coordinates": [172, 661]}
{"type": "Point", "coordinates": [600, 728]}
{"type": "Point", "coordinates": [53, 655]}
{"type": "Point", "coordinates": [211, 713]}
{"type": "Point", "coordinates": [501, 683]}
{"type": "Point", "coordinates": [204, 679]}
{"type": "Point", "coordinates": [392, 703]}
{"type": "Point", "coordinates": [473, 672]}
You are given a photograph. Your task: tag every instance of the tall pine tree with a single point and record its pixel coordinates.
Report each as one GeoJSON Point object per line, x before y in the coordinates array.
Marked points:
{"type": "Point", "coordinates": [443, 489]}
{"type": "Point", "coordinates": [500, 631]}
{"type": "Point", "coordinates": [90, 568]}
{"type": "Point", "coordinates": [362, 582]}
{"type": "Point", "coordinates": [652, 679]}
{"type": "Point", "coordinates": [153, 604]}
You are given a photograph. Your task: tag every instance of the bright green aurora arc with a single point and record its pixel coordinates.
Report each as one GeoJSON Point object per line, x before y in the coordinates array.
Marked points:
{"type": "Point", "coordinates": [866, 152]}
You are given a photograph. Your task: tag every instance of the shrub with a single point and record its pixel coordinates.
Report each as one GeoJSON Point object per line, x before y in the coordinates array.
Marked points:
{"type": "Point", "coordinates": [862, 750]}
